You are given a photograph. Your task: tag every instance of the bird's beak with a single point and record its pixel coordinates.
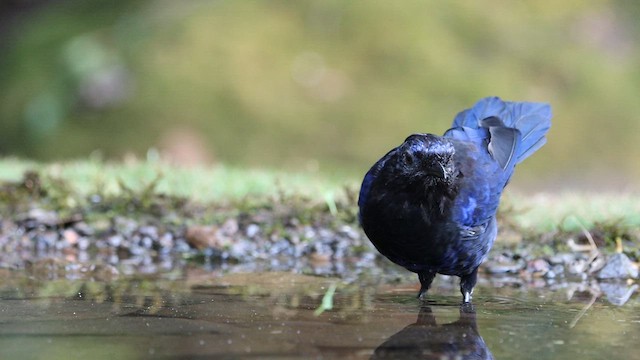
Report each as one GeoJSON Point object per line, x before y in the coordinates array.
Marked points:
{"type": "Point", "coordinates": [438, 171]}
{"type": "Point", "coordinates": [445, 173]}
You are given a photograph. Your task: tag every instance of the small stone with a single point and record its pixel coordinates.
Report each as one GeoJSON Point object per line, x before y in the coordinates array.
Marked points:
{"type": "Point", "coordinates": [350, 232]}
{"type": "Point", "coordinates": [241, 249]}
{"type": "Point", "coordinates": [562, 259]}
{"type": "Point", "coordinates": [48, 218]}
{"type": "Point", "coordinates": [83, 229]}
{"type": "Point", "coordinates": [494, 267]}
{"type": "Point", "coordinates": [281, 247]}
{"type": "Point", "coordinates": [83, 243]}
{"type": "Point", "coordinates": [308, 232]}
{"type": "Point", "coordinates": [115, 240]}
{"type": "Point", "coordinates": [558, 269]}
{"type": "Point", "coordinates": [146, 242]}
{"type": "Point", "coordinates": [166, 240]}
{"type": "Point", "coordinates": [618, 266]}
{"type": "Point", "coordinates": [538, 266]}
{"type": "Point", "coordinates": [70, 236]}
{"type": "Point", "coordinates": [202, 237]}
{"type": "Point", "coordinates": [252, 230]}
{"type": "Point", "coordinates": [181, 246]}
{"type": "Point", "coordinates": [148, 231]}
{"type": "Point", "coordinates": [230, 227]}
{"type": "Point", "coordinates": [578, 266]}
{"type": "Point", "coordinates": [125, 226]}
{"type": "Point", "coordinates": [46, 240]}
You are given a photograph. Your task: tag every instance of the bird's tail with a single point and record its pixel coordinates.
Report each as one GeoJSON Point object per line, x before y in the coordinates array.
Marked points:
{"type": "Point", "coordinates": [515, 129]}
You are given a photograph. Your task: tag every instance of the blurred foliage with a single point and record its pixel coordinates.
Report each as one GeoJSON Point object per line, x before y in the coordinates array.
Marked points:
{"type": "Point", "coordinates": [327, 85]}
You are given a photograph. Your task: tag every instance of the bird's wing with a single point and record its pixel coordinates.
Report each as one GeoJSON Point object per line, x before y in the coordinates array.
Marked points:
{"type": "Point", "coordinates": [487, 107]}
{"type": "Point", "coordinates": [531, 120]}
{"type": "Point", "coordinates": [490, 139]}
{"type": "Point", "coordinates": [480, 182]}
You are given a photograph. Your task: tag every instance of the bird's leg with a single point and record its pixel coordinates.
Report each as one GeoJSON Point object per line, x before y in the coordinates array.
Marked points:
{"type": "Point", "coordinates": [467, 283]}
{"type": "Point", "coordinates": [426, 278]}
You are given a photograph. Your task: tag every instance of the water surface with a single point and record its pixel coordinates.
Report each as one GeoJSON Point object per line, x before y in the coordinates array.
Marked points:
{"type": "Point", "coordinates": [274, 315]}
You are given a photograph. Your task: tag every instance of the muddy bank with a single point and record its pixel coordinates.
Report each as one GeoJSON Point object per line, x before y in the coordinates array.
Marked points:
{"type": "Point", "coordinates": [148, 232]}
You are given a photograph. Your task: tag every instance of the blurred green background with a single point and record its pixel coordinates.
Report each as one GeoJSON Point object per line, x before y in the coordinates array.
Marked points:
{"type": "Point", "coordinates": [320, 86]}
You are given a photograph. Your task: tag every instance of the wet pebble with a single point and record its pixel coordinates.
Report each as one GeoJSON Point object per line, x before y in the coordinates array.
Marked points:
{"type": "Point", "coordinates": [181, 245]}
{"type": "Point", "coordinates": [279, 247]}
{"type": "Point", "coordinates": [148, 244]}
{"type": "Point", "coordinates": [618, 266]}
{"type": "Point", "coordinates": [40, 217]}
{"type": "Point", "coordinates": [202, 237]}
{"type": "Point", "coordinates": [46, 240]}
{"type": "Point", "coordinates": [70, 236]}
{"type": "Point", "coordinates": [554, 272]}
{"type": "Point", "coordinates": [502, 267]}
{"type": "Point", "coordinates": [350, 232]}
{"type": "Point", "coordinates": [252, 230]}
{"type": "Point", "coordinates": [578, 266]}
{"type": "Point", "coordinates": [557, 270]}
{"type": "Point", "coordinates": [148, 231]}
{"type": "Point", "coordinates": [83, 243]}
{"type": "Point", "coordinates": [166, 241]}
{"type": "Point", "coordinates": [538, 266]}
{"type": "Point", "coordinates": [82, 228]}
{"type": "Point", "coordinates": [562, 258]}
{"type": "Point", "coordinates": [229, 227]}
{"type": "Point", "coordinates": [115, 240]}
{"type": "Point", "coordinates": [124, 226]}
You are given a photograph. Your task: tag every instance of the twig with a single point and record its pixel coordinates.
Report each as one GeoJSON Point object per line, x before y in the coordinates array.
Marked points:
{"type": "Point", "coordinates": [594, 252]}
{"type": "Point", "coordinates": [594, 297]}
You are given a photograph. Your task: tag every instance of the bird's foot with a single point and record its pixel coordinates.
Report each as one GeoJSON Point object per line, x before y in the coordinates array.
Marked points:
{"type": "Point", "coordinates": [422, 294]}
{"type": "Point", "coordinates": [467, 284]}
{"type": "Point", "coordinates": [466, 297]}
{"type": "Point", "coordinates": [425, 283]}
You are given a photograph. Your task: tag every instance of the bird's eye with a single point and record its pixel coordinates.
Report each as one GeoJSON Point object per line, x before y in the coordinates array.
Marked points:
{"type": "Point", "coordinates": [407, 158]}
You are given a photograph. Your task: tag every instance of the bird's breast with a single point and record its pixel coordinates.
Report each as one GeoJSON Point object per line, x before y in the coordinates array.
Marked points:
{"type": "Point", "coordinates": [418, 235]}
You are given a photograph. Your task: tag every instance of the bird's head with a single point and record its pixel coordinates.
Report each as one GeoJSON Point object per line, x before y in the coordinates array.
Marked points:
{"type": "Point", "coordinates": [427, 160]}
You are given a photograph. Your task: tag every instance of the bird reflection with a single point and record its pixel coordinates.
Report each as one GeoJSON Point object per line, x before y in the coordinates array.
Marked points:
{"type": "Point", "coordinates": [427, 340]}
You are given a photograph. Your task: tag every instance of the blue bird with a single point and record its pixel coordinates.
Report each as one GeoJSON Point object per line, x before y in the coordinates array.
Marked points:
{"type": "Point", "coordinates": [430, 204]}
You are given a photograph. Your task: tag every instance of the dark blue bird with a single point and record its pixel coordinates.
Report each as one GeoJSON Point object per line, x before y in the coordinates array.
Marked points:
{"type": "Point", "coordinates": [430, 204]}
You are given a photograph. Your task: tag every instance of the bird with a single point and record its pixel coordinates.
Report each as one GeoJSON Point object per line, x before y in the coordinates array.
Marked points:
{"type": "Point", "coordinates": [429, 204]}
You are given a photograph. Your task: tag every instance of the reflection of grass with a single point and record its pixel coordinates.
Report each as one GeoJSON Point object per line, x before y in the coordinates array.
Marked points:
{"type": "Point", "coordinates": [289, 293]}
{"type": "Point", "coordinates": [281, 292]}
{"type": "Point", "coordinates": [150, 293]}
{"type": "Point", "coordinates": [327, 300]}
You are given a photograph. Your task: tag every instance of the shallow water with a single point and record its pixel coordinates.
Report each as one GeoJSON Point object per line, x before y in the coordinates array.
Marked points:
{"type": "Point", "coordinates": [203, 314]}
